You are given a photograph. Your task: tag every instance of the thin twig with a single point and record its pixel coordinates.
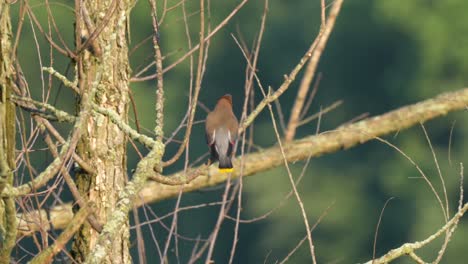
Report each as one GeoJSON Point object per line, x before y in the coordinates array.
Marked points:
{"type": "Point", "coordinates": [411, 247]}
{"type": "Point", "coordinates": [376, 233]}
{"type": "Point", "coordinates": [296, 193]}
{"type": "Point", "coordinates": [47, 254]}
{"type": "Point", "coordinates": [309, 73]}
{"type": "Point", "coordinates": [198, 82]}
{"type": "Point", "coordinates": [313, 53]}
{"type": "Point", "coordinates": [189, 53]}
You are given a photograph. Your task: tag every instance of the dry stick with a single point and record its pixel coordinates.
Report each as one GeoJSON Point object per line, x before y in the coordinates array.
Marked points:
{"type": "Point", "coordinates": [280, 204]}
{"type": "Point", "coordinates": [460, 202]}
{"type": "Point", "coordinates": [376, 233]}
{"type": "Point", "coordinates": [139, 236]}
{"type": "Point", "coordinates": [189, 53]}
{"type": "Point", "coordinates": [47, 254]}
{"type": "Point", "coordinates": [251, 73]}
{"type": "Point", "coordinates": [423, 175]}
{"type": "Point", "coordinates": [177, 211]}
{"type": "Point", "coordinates": [311, 68]}
{"type": "Point", "coordinates": [68, 178]}
{"type": "Point", "coordinates": [189, 42]}
{"type": "Point", "coordinates": [83, 164]}
{"type": "Point", "coordinates": [449, 233]}
{"type": "Point", "coordinates": [222, 213]}
{"type": "Point", "coordinates": [450, 143]}
{"type": "Point", "coordinates": [324, 213]}
{"type": "Point", "coordinates": [57, 31]}
{"type": "Point", "coordinates": [439, 172]}
{"type": "Point", "coordinates": [19, 29]}
{"type": "Point", "coordinates": [411, 247]}
{"type": "Point", "coordinates": [296, 193]}
{"type": "Point", "coordinates": [447, 211]}
{"type": "Point", "coordinates": [173, 227]}
{"type": "Point", "coordinates": [65, 51]}
{"type": "Point", "coordinates": [313, 92]}
{"type": "Point", "coordinates": [198, 82]}
{"type": "Point", "coordinates": [320, 113]}
{"type": "Point", "coordinates": [313, 53]}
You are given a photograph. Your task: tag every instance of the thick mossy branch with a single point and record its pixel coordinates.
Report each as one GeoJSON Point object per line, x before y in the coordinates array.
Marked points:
{"type": "Point", "coordinates": [65, 81]}
{"type": "Point", "coordinates": [116, 119]}
{"type": "Point", "coordinates": [326, 142]}
{"type": "Point", "coordinates": [57, 114]}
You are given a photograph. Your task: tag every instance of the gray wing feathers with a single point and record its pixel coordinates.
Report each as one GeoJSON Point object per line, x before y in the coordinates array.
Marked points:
{"type": "Point", "coordinates": [222, 141]}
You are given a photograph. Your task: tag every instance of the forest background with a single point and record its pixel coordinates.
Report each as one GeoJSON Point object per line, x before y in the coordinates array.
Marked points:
{"type": "Point", "coordinates": [380, 56]}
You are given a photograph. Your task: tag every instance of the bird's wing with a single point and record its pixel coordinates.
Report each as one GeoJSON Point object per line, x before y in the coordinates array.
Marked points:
{"type": "Point", "coordinates": [210, 132]}
{"type": "Point", "coordinates": [233, 127]}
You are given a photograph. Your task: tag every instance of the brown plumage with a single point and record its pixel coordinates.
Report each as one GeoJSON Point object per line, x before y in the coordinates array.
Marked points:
{"type": "Point", "coordinates": [221, 133]}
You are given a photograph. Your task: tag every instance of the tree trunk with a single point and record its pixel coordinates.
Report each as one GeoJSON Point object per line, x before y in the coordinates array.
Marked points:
{"type": "Point", "coordinates": [103, 144]}
{"type": "Point", "coordinates": [7, 136]}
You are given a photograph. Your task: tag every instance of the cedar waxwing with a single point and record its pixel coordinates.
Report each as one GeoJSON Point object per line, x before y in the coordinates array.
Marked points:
{"type": "Point", "coordinates": [221, 133]}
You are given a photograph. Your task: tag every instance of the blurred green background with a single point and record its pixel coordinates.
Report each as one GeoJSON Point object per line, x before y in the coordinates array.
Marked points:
{"type": "Point", "coordinates": [380, 56]}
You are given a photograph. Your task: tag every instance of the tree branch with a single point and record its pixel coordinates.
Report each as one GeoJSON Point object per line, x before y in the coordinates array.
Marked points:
{"type": "Point", "coordinates": [309, 73]}
{"type": "Point", "coordinates": [409, 248]}
{"type": "Point", "coordinates": [314, 53]}
{"type": "Point", "coordinates": [47, 254]}
{"type": "Point", "coordinates": [311, 146]}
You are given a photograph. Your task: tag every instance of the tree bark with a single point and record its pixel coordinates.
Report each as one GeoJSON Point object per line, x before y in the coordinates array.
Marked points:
{"type": "Point", "coordinates": [7, 136]}
{"type": "Point", "coordinates": [103, 144]}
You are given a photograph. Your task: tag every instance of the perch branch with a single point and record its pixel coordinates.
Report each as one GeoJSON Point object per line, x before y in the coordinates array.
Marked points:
{"type": "Point", "coordinates": [328, 142]}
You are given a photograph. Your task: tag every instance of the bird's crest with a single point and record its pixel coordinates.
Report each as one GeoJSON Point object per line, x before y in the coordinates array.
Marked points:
{"type": "Point", "coordinates": [226, 97]}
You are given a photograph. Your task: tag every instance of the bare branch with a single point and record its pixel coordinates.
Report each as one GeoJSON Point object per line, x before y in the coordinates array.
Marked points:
{"type": "Point", "coordinates": [198, 82]}
{"type": "Point", "coordinates": [208, 37]}
{"type": "Point", "coordinates": [327, 142]}
{"type": "Point", "coordinates": [47, 254]}
{"type": "Point", "coordinates": [408, 248]}
{"type": "Point", "coordinates": [313, 53]}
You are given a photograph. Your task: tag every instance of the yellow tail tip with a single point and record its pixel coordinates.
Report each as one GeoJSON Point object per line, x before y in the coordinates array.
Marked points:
{"type": "Point", "coordinates": [225, 170]}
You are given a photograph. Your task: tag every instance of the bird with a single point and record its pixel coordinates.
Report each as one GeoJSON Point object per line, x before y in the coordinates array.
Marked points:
{"type": "Point", "coordinates": [221, 127]}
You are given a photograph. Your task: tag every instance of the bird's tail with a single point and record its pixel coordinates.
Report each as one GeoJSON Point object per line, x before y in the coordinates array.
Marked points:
{"type": "Point", "coordinates": [225, 164]}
